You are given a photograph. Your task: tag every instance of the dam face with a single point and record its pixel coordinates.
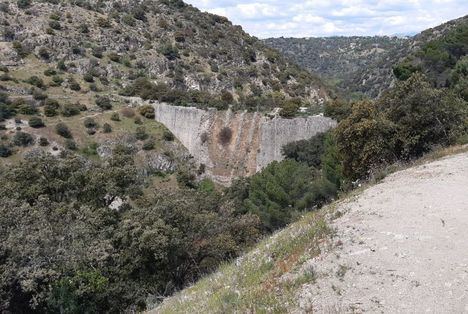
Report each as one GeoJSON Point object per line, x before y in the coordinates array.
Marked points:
{"type": "Point", "coordinates": [237, 144]}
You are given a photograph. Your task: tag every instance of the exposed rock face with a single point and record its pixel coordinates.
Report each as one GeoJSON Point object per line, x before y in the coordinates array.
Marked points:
{"type": "Point", "coordinates": [235, 144]}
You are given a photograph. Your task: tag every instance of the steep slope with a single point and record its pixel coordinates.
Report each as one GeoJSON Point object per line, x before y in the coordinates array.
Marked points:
{"type": "Point", "coordinates": [360, 65]}
{"type": "Point", "coordinates": [340, 60]}
{"type": "Point", "coordinates": [397, 247]}
{"type": "Point", "coordinates": [73, 63]}
{"type": "Point", "coordinates": [194, 57]}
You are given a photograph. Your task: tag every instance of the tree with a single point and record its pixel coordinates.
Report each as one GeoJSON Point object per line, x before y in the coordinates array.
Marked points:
{"type": "Point", "coordinates": [309, 151]}
{"type": "Point", "coordinates": [423, 116]}
{"type": "Point", "coordinates": [365, 139]}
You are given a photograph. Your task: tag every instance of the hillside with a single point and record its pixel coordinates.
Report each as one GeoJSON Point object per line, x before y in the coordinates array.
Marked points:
{"type": "Point", "coordinates": [190, 56]}
{"type": "Point", "coordinates": [80, 63]}
{"type": "Point", "coordinates": [358, 65]}
{"type": "Point", "coordinates": [370, 252]}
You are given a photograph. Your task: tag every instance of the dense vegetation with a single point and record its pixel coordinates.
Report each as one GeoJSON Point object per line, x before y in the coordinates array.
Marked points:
{"type": "Point", "coordinates": [365, 66]}
{"type": "Point", "coordinates": [96, 259]}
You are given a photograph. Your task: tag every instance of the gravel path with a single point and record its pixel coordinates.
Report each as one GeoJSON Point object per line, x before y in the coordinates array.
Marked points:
{"type": "Point", "coordinates": [402, 247]}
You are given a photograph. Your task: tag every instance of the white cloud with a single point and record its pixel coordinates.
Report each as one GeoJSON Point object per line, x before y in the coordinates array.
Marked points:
{"type": "Point", "coordinates": [274, 18]}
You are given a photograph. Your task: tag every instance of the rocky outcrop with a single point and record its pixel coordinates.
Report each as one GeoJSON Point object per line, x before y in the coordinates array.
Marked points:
{"type": "Point", "coordinates": [235, 144]}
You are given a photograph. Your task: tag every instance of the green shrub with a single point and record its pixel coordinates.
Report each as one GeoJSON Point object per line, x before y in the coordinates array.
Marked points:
{"type": "Point", "coordinates": [63, 130]}
{"type": "Point", "coordinates": [289, 108]}
{"type": "Point", "coordinates": [113, 56]}
{"type": "Point", "coordinates": [5, 151]}
{"type": "Point", "coordinates": [43, 141]}
{"type": "Point", "coordinates": [39, 95]}
{"type": "Point", "coordinates": [308, 151]}
{"type": "Point", "coordinates": [88, 77]}
{"type": "Point", "coordinates": [27, 108]}
{"type": "Point", "coordinates": [106, 128]}
{"type": "Point", "coordinates": [141, 133]}
{"type": "Point", "coordinates": [70, 144]}
{"type": "Point", "coordinates": [104, 23]}
{"type": "Point", "coordinates": [55, 25]}
{"type": "Point", "coordinates": [103, 102]}
{"type": "Point", "coordinates": [148, 144]}
{"type": "Point", "coordinates": [73, 84]}
{"type": "Point", "coordinates": [168, 136]}
{"type": "Point", "coordinates": [90, 123]}
{"type": "Point", "coordinates": [36, 122]}
{"type": "Point", "coordinates": [35, 81]}
{"type": "Point", "coordinates": [23, 139]}
{"type": "Point", "coordinates": [50, 72]}
{"type": "Point", "coordinates": [147, 111]}
{"type": "Point", "coordinates": [23, 4]}
{"type": "Point", "coordinates": [115, 116]}
{"type": "Point", "coordinates": [56, 81]}
{"type": "Point", "coordinates": [50, 107]}
{"type": "Point", "coordinates": [44, 53]}
{"type": "Point", "coordinates": [69, 110]}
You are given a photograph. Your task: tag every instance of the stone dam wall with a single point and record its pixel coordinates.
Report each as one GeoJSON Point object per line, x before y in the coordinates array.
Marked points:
{"type": "Point", "coordinates": [255, 140]}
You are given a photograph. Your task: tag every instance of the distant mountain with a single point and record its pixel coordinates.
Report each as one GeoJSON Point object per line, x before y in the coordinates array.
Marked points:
{"type": "Point", "coordinates": [357, 66]}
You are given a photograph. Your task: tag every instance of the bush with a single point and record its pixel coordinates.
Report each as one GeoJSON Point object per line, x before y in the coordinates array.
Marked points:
{"type": "Point", "coordinates": [308, 151]}
{"type": "Point", "coordinates": [104, 23]}
{"type": "Point", "coordinates": [113, 56]}
{"type": "Point", "coordinates": [106, 128]}
{"type": "Point", "coordinates": [56, 81]}
{"type": "Point", "coordinates": [141, 133]}
{"type": "Point", "coordinates": [44, 53]}
{"type": "Point", "coordinates": [5, 151]}
{"type": "Point", "coordinates": [168, 136]}
{"type": "Point", "coordinates": [73, 84]}
{"type": "Point", "coordinates": [50, 107]}
{"type": "Point", "coordinates": [148, 144]}
{"type": "Point", "coordinates": [36, 122]}
{"type": "Point", "coordinates": [43, 141]}
{"type": "Point", "coordinates": [225, 136]}
{"type": "Point", "coordinates": [55, 25]}
{"type": "Point", "coordinates": [289, 108]}
{"type": "Point", "coordinates": [103, 102]}
{"type": "Point", "coordinates": [35, 81]}
{"type": "Point", "coordinates": [27, 108]}
{"type": "Point", "coordinates": [147, 111]}
{"type": "Point", "coordinates": [23, 4]}
{"type": "Point", "coordinates": [38, 94]}
{"type": "Point", "coordinates": [69, 110]}
{"type": "Point", "coordinates": [115, 116]}
{"type": "Point", "coordinates": [70, 144]}
{"type": "Point", "coordinates": [23, 139]}
{"type": "Point", "coordinates": [90, 123]}
{"type": "Point", "coordinates": [63, 130]}
{"type": "Point", "coordinates": [88, 77]}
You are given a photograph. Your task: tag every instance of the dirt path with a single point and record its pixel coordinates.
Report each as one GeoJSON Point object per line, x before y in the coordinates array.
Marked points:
{"type": "Point", "coordinates": [402, 248]}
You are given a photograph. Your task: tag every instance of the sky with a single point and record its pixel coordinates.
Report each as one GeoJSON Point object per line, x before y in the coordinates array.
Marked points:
{"type": "Point", "coordinates": [316, 18]}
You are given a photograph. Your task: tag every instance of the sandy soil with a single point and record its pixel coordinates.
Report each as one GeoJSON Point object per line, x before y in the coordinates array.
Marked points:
{"type": "Point", "coordinates": [401, 247]}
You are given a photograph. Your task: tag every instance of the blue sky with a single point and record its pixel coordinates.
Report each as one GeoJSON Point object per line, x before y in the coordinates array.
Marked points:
{"type": "Point", "coordinates": [309, 18]}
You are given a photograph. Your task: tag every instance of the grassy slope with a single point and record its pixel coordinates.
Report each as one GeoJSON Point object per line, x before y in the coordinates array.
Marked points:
{"type": "Point", "coordinates": [266, 279]}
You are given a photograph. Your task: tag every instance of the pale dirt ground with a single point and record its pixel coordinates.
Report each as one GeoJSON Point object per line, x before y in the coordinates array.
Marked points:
{"type": "Point", "coordinates": [402, 247]}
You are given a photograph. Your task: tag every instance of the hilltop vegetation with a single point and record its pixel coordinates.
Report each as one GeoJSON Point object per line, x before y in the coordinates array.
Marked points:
{"type": "Point", "coordinates": [363, 66]}
{"type": "Point", "coordinates": [183, 55]}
